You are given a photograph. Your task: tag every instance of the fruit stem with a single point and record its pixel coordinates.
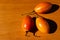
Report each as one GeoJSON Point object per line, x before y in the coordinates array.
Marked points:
{"type": "Point", "coordinates": [26, 33]}
{"type": "Point", "coordinates": [30, 13]}
{"type": "Point", "coordinates": [37, 15]}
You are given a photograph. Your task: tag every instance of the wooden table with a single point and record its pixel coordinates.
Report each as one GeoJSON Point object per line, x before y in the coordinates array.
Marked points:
{"type": "Point", "coordinates": [10, 20]}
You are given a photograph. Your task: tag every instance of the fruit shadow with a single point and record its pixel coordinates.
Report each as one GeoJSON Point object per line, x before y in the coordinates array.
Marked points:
{"type": "Point", "coordinates": [52, 25]}
{"type": "Point", "coordinates": [54, 8]}
{"type": "Point", "coordinates": [34, 29]}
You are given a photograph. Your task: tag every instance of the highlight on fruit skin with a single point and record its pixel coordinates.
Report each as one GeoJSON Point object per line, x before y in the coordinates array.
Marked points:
{"type": "Point", "coordinates": [42, 7]}
{"type": "Point", "coordinates": [42, 25]}
{"type": "Point", "coordinates": [27, 23]}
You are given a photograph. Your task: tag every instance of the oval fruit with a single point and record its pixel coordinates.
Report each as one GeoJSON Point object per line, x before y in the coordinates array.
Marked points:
{"type": "Point", "coordinates": [42, 25]}
{"type": "Point", "coordinates": [27, 23]}
{"type": "Point", "coordinates": [42, 7]}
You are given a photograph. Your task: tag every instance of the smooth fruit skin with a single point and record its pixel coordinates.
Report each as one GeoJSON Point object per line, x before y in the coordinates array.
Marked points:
{"type": "Point", "coordinates": [42, 7]}
{"type": "Point", "coordinates": [42, 25]}
{"type": "Point", "coordinates": [27, 23]}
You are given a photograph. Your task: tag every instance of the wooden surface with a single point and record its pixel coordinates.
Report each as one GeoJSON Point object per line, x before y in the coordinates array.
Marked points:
{"type": "Point", "coordinates": [10, 19]}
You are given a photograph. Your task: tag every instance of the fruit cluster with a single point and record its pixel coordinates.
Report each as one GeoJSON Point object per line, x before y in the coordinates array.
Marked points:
{"type": "Point", "coordinates": [41, 24]}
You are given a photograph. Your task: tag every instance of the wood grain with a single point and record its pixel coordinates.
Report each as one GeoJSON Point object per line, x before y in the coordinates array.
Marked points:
{"type": "Point", "coordinates": [10, 19]}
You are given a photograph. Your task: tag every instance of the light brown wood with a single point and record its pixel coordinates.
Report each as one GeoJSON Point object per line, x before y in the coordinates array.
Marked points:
{"type": "Point", "coordinates": [10, 19]}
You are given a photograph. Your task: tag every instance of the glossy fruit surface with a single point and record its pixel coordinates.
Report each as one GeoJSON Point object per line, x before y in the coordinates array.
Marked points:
{"type": "Point", "coordinates": [42, 7]}
{"type": "Point", "coordinates": [42, 25]}
{"type": "Point", "coordinates": [27, 23]}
